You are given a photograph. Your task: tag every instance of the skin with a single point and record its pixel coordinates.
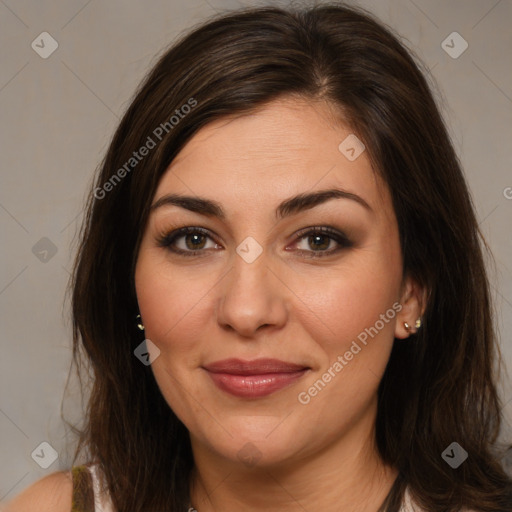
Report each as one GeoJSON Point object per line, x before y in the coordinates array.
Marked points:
{"type": "Point", "coordinates": [283, 305]}
{"type": "Point", "coordinates": [52, 493]}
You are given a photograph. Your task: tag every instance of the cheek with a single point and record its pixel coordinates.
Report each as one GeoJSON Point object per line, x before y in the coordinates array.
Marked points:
{"type": "Point", "coordinates": [357, 311]}
{"type": "Point", "coordinates": [353, 298]}
{"type": "Point", "coordinates": [172, 306]}
{"type": "Point", "coordinates": [173, 303]}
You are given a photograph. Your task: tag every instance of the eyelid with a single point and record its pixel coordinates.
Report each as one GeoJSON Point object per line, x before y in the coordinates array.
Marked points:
{"type": "Point", "coordinates": [324, 229]}
{"type": "Point", "coordinates": [332, 233]}
{"type": "Point", "coordinates": [169, 237]}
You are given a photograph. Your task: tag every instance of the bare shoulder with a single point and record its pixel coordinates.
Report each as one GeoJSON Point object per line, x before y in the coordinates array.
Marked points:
{"type": "Point", "coordinates": [53, 493]}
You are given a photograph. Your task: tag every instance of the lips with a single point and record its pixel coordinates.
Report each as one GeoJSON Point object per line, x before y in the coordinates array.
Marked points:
{"type": "Point", "coordinates": [256, 378]}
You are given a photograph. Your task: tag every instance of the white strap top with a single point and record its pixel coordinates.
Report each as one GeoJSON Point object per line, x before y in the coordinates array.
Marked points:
{"type": "Point", "coordinates": [103, 503]}
{"type": "Point", "coordinates": [408, 505]}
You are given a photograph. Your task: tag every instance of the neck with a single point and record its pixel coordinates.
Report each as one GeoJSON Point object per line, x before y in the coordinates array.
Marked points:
{"type": "Point", "coordinates": [346, 475]}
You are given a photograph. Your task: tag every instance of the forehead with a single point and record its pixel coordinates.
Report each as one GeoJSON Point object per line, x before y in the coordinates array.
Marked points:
{"type": "Point", "coordinates": [286, 147]}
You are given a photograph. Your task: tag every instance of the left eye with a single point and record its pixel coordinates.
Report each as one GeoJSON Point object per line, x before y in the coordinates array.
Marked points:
{"type": "Point", "coordinates": [194, 241]}
{"type": "Point", "coordinates": [320, 239]}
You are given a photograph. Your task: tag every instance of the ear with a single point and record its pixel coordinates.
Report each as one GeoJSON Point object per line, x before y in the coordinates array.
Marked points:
{"type": "Point", "coordinates": [413, 300]}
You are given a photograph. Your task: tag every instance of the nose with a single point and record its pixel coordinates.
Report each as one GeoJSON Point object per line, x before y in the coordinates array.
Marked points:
{"type": "Point", "coordinates": [252, 298]}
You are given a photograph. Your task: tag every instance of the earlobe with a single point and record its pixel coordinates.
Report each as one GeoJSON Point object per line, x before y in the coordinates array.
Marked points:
{"type": "Point", "coordinates": [413, 302]}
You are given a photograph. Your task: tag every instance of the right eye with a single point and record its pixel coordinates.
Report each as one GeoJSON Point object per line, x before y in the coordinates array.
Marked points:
{"type": "Point", "coordinates": [194, 239]}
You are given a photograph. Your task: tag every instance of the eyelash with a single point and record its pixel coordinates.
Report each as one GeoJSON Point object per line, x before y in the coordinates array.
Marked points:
{"type": "Point", "coordinates": [166, 240]}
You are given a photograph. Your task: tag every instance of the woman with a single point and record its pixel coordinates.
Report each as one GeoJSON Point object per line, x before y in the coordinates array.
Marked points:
{"type": "Point", "coordinates": [281, 288]}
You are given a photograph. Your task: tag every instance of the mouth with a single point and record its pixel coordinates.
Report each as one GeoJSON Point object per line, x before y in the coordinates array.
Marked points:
{"type": "Point", "coordinates": [254, 379]}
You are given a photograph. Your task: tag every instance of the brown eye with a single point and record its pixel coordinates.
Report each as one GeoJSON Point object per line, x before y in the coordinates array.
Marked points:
{"type": "Point", "coordinates": [194, 241]}
{"type": "Point", "coordinates": [319, 239]}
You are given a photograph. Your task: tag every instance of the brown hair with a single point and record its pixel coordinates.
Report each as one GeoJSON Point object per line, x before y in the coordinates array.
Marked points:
{"type": "Point", "coordinates": [439, 386]}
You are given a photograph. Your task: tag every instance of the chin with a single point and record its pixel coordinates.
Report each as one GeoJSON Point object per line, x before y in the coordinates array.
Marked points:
{"type": "Point", "coordinates": [257, 441]}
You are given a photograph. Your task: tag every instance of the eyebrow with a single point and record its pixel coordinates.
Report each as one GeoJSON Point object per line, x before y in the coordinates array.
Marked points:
{"type": "Point", "coordinates": [291, 206]}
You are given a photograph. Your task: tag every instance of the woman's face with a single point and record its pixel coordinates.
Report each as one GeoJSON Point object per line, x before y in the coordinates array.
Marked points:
{"type": "Point", "coordinates": [273, 335]}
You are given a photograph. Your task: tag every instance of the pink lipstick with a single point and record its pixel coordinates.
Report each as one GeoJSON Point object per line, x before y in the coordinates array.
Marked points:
{"type": "Point", "coordinates": [254, 379]}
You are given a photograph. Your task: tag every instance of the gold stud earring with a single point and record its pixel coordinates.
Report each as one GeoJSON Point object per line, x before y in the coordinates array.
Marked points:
{"type": "Point", "coordinates": [407, 327]}
{"type": "Point", "coordinates": [418, 323]}
{"type": "Point", "coordinates": [139, 322]}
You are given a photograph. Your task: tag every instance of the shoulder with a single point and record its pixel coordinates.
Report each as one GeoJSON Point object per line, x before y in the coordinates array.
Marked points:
{"type": "Point", "coordinates": [53, 493]}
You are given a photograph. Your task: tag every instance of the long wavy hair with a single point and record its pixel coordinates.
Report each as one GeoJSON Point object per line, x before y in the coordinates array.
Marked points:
{"type": "Point", "coordinates": [439, 387]}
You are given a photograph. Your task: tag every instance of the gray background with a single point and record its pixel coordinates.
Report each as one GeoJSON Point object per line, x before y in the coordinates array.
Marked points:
{"type": "Point", "coordinates": [57, 117]}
